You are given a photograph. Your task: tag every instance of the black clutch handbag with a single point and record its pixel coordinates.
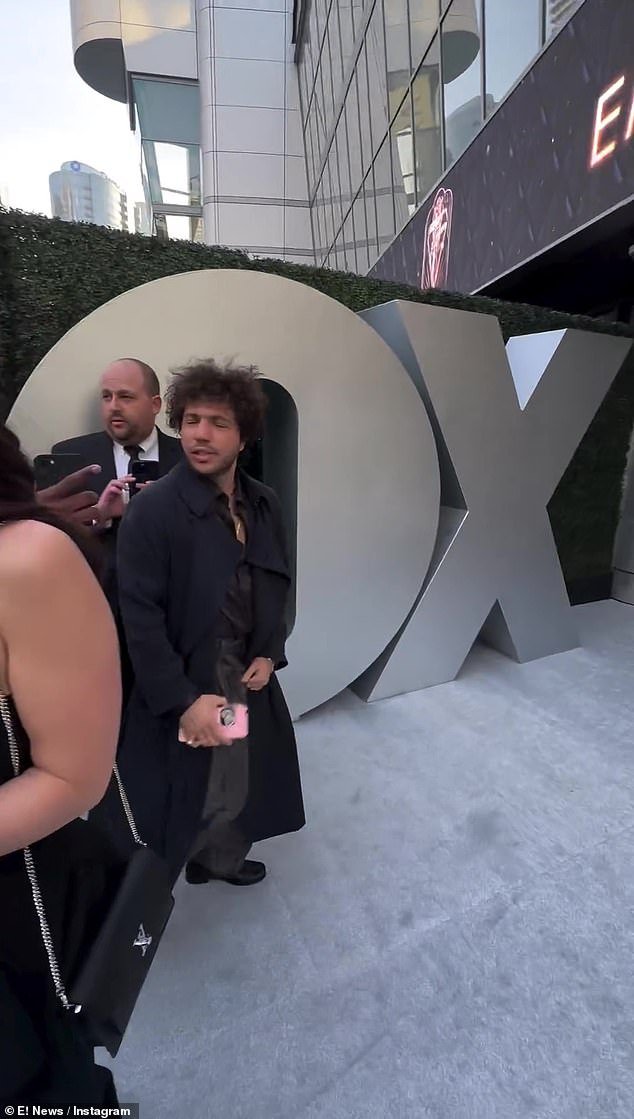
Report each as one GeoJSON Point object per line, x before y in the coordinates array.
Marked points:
{"type": "Point", "coordinates": [112, 968]}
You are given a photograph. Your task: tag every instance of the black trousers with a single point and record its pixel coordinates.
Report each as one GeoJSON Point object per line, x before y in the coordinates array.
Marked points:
{"type": "Point", "coordinates": [220, 845]}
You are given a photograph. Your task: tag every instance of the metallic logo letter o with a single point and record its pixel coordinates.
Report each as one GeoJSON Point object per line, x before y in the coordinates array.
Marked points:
{"type": "Point", "coordinates": [368, 484]}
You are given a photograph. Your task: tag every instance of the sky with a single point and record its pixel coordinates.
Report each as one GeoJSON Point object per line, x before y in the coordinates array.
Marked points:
{"type": "Point", "coordinates": [48, 115]}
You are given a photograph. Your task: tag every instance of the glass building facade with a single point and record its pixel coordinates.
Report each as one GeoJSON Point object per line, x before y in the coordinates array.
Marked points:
{"type": "Point", "coordinates": [392, 93]}
{"type": "Point", "coordinates": [305, 129]}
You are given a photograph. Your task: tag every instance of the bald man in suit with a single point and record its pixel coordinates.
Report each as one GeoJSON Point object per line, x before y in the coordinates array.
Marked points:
{"type": "Point", "coordinates": [130, 402]}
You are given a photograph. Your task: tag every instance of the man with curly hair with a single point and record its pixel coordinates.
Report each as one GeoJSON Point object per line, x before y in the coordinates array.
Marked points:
{"type": "Point", "coordinates": [203, 584]}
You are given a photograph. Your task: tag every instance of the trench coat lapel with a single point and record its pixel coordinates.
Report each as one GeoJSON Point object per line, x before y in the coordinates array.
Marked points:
{"type": "Point", "coordinates": [263, 549]}
{"type": "Point", "coordinates": [266, 554]}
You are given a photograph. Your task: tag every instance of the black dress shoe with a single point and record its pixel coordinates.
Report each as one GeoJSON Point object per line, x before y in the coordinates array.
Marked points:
{"type": "Point", "coordinates": [249, 873]}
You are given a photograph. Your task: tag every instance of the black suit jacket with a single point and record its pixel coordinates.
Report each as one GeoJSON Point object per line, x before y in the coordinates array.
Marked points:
{"type": "Point", "coordinates": [97, 449]}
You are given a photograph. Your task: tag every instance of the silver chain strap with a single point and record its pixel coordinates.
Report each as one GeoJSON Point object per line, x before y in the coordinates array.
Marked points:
{"type": "Point", "coordinates": [126, 808]}
{"type": "Point", "coordinates": [60, 991]}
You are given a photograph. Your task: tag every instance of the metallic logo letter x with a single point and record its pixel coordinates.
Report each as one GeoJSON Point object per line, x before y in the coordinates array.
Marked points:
{"type": "Point", "coordinates": [506, 423]}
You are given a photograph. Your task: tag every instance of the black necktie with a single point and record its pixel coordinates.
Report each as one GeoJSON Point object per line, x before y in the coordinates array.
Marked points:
{"type": "Point", "coordinates": [134, 452]}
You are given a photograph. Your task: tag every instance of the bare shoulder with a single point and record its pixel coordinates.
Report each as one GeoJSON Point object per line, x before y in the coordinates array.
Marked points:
{"type": "Point", "coordinates": [32, 549]}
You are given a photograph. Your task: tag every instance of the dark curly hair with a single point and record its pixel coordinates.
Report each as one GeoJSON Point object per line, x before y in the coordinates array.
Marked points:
{"type": "Point", "coordinates": [235, 385]}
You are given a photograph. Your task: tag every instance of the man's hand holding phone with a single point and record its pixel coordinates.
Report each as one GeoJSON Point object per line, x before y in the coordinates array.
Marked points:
{"type": "Point", "coordinates": [72, 497]}
{"type": "Point", "coordinates": [112, 502]}
{"type": "Point", "coordinates": [201, 726]}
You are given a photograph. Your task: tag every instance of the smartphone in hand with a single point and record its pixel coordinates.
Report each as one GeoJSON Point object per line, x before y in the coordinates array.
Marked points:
{"type": "Point", "coordinates": [234, 720]}
{"type": "Point", "coordinates": [50, 470]}
{"type": "Point", "coordinates": [143, 470]}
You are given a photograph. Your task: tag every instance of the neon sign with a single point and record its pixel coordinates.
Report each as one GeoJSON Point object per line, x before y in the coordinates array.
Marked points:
{"type": "Point", "coordinates": [437, 241]}
{"type": "Point", "coordinates": [607, 134]}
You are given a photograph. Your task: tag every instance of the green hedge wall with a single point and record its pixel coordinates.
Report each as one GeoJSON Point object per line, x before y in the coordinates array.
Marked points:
{"type": "Point", "coordinates": [53, 273]}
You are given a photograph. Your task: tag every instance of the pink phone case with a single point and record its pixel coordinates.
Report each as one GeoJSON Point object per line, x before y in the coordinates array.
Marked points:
{"type": "Point", "coordinates": [234, 720]}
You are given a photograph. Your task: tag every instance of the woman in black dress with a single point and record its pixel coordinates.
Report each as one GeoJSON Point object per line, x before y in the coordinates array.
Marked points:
{"type": "Point", "coordinates": [60, 703]}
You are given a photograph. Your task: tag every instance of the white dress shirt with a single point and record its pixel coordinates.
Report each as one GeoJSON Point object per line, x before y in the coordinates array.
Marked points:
{"type": "Point", "coordinates": [149, 453]}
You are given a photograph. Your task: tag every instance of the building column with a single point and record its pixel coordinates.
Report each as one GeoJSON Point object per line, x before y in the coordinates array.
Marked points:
{"type": "Point", "coordinates": [204, 42]}
{"type": "Point", "coordinates": [254, 191]}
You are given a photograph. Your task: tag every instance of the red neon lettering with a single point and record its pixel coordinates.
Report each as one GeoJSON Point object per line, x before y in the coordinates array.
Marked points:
{"type": "Point", "coordinates": [602, 121]}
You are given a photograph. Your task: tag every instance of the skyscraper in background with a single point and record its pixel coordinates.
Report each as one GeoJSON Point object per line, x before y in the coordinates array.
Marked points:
{"type": "Point", "coordinates": [80, 193]}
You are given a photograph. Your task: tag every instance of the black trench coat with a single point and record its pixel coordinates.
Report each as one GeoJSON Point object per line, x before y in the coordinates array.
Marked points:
{"type": "Point", "coordinates": [175, 561]}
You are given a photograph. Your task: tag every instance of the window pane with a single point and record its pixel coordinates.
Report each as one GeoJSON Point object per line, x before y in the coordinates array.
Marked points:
{"type": "Point", "coordinates": [311, 155]}
{"type": "Point", "coordinates": [397, 48]}
{"type": "Point", "coordinates": [335, 49]}
{"type": "Point", "coordinates": [313, 37]}
{"type": "Point", "coordinates": [303, 94]}
{"type": "Point", "coordinates": [427, 133]}
{"type": "Point", "coordinates": [346, 32]}
{"type": "Point", "coordinates": [309, 63]}
{"type": "Point", "coordinates": [172, 173]}
{"type": "Point", "coordinates": [328, 210]}
{"type": "Point", "coordinates": [423, 21]}
{"type": "Point", "coordinates": [384, 193]}
{"type": "Point", "coordinates": [335, 185]}
{"type": "Point", "coordinates": [326, 74]}
{"type": "Point", "coordinates": [316, 225]}
{"type": "Point", "coordinates": [461, 62]}
{"type": "Point", "coordinates": [377, 76]}
{"type": "Point", "coordinates": [354, 136]}
{"type": "Point", "coordinates": [370, 213]}
{"type": "Point", "coordinates": [320, 113]}
{"type": "Point", "coordinates": [309, 77]}
{"type": "Point", "coordinates": [348, 240]}
{"type": "Point", "coordinates": [361, 233]}
{"type": "Point", "coordinates": [341, 143]}
{"type": "Point", "coordinates": [320, 12]}
{"type": "Point", "coordinates": [178, 228]}
{"type": "Point", "coordinates": [512, 31]}
{"type": "Point", "coordinates": [358, 7]}
{"type": "Point", "coordinates": [323, 233]}
{"type": "Point", "coordinates": [310, 161]}
{"type": "Point", "coordinates": [364, 106]}
{"type": "Point", "coordinates": [317, 150]}
{"type": "Point", "coordinates": [168, 111]}
{"type": "Point", "coordinates": [558, 12]}
{"type": "Point", "coordinates": [403, 164]}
